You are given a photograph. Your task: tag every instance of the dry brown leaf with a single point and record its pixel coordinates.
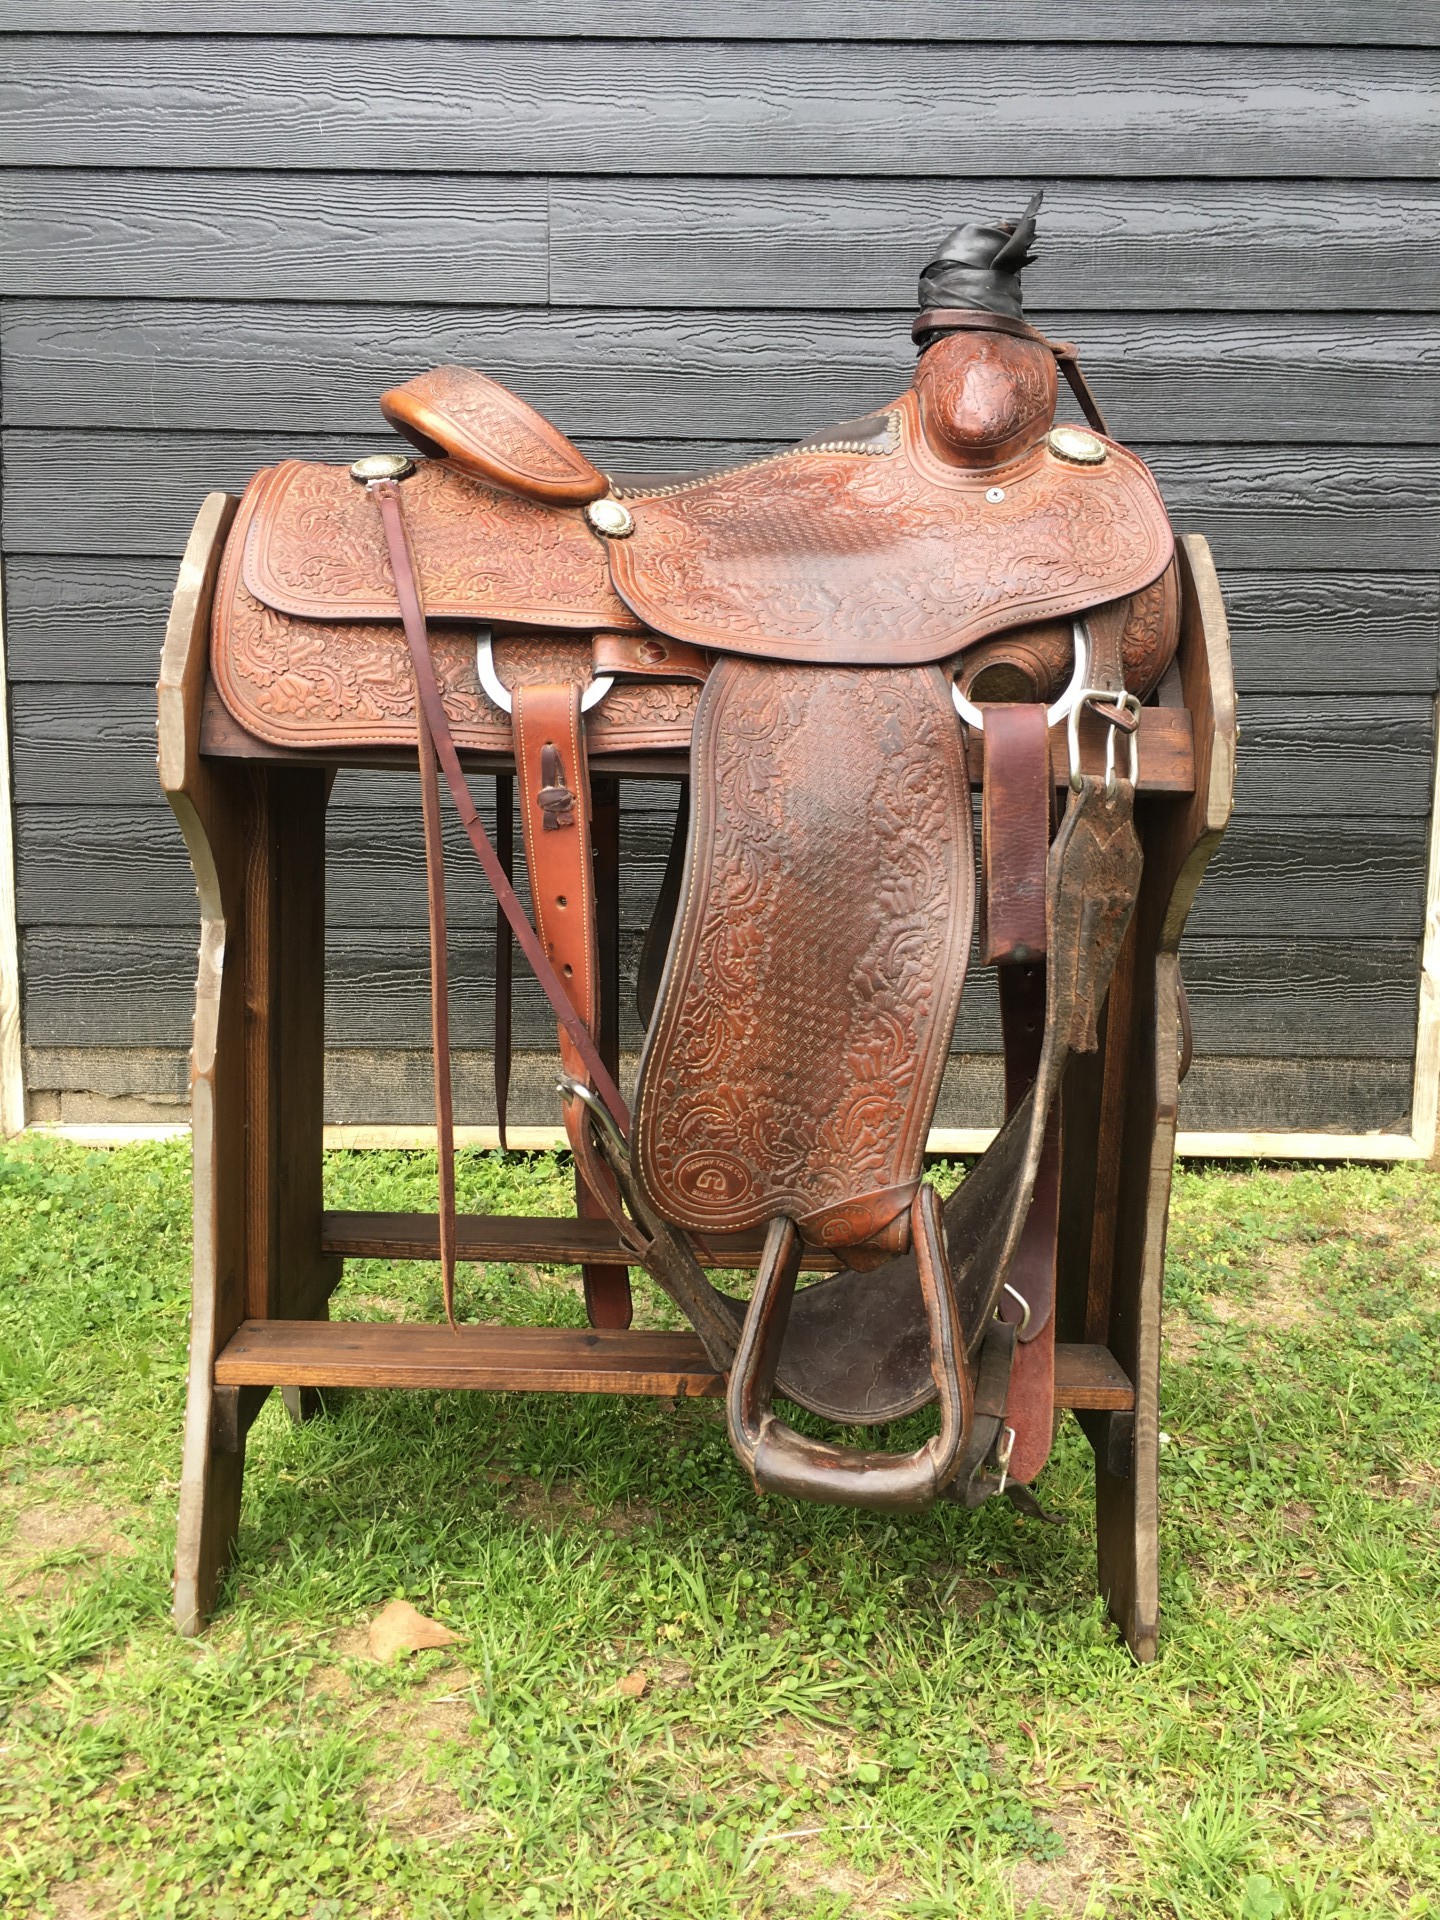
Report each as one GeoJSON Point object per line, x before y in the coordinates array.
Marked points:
{"type": "Point", "coordinates": [633, 1684]}
{"type": "Point", "coordinates": [401, 1628]}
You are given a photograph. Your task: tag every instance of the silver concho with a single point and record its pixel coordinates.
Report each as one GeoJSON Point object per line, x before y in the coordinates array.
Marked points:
{"type": "Point", "coordinates": [610, 518]}
{"type": "Point", "coordinates": [1074, 444]}
{"type": "Point", "coordinates": [381, 466]}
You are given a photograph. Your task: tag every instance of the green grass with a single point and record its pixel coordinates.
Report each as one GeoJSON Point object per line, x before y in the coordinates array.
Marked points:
{"type": "Point", "coordinates": [844, 1715]}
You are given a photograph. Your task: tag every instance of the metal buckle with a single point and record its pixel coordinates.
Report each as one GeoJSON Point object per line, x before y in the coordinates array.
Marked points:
{"type": "Point", "coordinates": [1004, 1447]}
{"type": "Point", "coordinates": [498, 693]}
{"type": "Point", "coordinates": [974, 716]}
{"type": "Point", "coordinates": [1024, 1307]}
{"type": "Point", "coordinates": [1093, 696]}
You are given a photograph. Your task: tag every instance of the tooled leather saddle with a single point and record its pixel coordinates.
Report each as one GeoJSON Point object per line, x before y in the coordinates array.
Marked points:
{"type": "Point", "coordinates": [827, 630]}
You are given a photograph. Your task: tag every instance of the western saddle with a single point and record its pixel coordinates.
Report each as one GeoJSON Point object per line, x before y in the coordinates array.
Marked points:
{"type": "Point", "coordinates": [827, 630]}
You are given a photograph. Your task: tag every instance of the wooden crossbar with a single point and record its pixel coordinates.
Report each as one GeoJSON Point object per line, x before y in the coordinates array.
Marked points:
{"type": "Point", "coordinates": [538, 1240]}
{"type": "Point", "coordinates": [329, 1353]}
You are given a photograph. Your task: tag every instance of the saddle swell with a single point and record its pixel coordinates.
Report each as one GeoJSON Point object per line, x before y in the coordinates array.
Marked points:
{"type": "Point", "coordinates": [800, 625]}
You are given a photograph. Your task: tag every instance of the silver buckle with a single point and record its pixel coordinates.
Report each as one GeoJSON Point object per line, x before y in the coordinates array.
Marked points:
{"type": "Point", "coordinates": [1024, 1326]}
{"type": "Point", "coordinates": [498, 693]}
{"type": "Point", "coordinates": [1089, 697]}
{"type": "Point", "coordinates": [974, 716]}
{"type": "Point", "coordinates": [1004, 1447]}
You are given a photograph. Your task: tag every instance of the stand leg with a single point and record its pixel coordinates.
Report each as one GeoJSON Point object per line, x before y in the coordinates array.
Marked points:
{"type": "Point", "coordinates": [287, 1276]}
{"type": "Point", "coordinates": [256, 843]}
{"type": "Point", "coordinates": [1137, 1102]}
{"type": "Point", "coordinates": [208, 802]}
{"type": "Point", "coordinates": [302, 1403]}
{"type": "Point", "coordinates": [1127, 1458]}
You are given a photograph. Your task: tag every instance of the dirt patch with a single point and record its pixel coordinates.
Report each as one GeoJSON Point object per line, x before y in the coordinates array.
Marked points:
{"type": "Point", "coordinates": [551, 1508]}
{"type": "Point", "coordinates": [409, 1805]}
{"type": "Point", "coordinates": [439, 1716]}
{"type": "Point", "coordinates": [82, 1900]}
{"type": "Point", "coordinates": [47, 1532]}
{"type": "Point", "coordinates": [788, 1744]}
{"type": "Point", "coordinates": [807, 1873]}
{"type": "Point", "coordinates": [624, 1520]}
{"type": "Point", "coordinates": [1181, 1338]}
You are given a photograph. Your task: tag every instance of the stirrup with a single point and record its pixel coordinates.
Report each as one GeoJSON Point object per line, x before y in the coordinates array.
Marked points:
{"type": "Point", "coordinates": [779, 1459]}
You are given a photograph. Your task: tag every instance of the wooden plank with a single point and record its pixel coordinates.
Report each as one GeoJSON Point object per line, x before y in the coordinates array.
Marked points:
{"type": "Point", "coordinates": [96, 986]}
{"type": "Point", "coordinates": [247, 366]}
{"type": "Point", "coordinates": [621, 242]}
{"type": "Point", "coordinates": [12, 1066]}
{"type": "Point", "coordinates": [531, 1239]}
{"type": "Point", "coordinates": [1297, 631]}
{"type": "Point", "coordinates": [518, 106]}
{"type": "Point", "coordinates": [1333, 877]}
{"type": "Point", "coordinates": [490, 1359]}
{"type": "Point", "coordinates": [379, 1098]}
{"type": "Point", "coordinates": [1366, 756]}
{"type": "Point", "coordinates": [356, 1353]}
{"type": "Point", "coordinates": [1292, 632]}
{"type": "Point", "coordinates": [1282, 508]}
{"type": "Point", "coordinates": [101, 620]}
{"type": "Point", "coordinates": [1213, 23]}
{"type": "Point", "coordinates": [1290, 742]}
{"type": "Point", "coordinates": [1222, 1092]}
{"type": "Point", "coordinates": [1113, 245]}
{"type": "Point", "coordinates": [1298, 506]}
{"type": "Point", "coordinates": [314, 237]}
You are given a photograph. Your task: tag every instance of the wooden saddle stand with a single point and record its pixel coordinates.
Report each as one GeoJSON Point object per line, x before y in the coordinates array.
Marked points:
{"type": "Point", "coordinates": [829, 649]}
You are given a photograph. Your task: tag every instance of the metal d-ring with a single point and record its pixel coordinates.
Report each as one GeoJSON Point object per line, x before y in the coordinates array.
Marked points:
{"type": "Point", "coordinates": [498, 693]}
{"type": "Point", "coordinates": [1015, 1294]}
{"type": "Point", "coordinates": [973, 716]}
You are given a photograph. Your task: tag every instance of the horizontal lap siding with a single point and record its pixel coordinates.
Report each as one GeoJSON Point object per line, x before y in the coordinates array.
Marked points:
{"type": "Point", "coordinates": [618, 241]}
{"type": "Point", "coordinates": [511, 106]}
{"type": "Point", "coordinates": [1399, 23]}
{"type": "Point", "coordinates": [212, 272]}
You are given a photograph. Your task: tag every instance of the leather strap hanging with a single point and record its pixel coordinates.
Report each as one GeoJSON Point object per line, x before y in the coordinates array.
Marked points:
{"type": "Point", "coordinates": [504, 950]}
{"type": "Point", "coordinates": [439, 1008]}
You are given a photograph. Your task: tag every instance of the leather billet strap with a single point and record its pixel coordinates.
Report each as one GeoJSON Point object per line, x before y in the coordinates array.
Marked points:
{"type": "Point", "coordinates": [556, 819]}
{"type": "Point", "coordinates": [1015, 808]}
{"type": "Point", "coordinates": [1028, 1299]}
{"type": "Point", "coordinates": [941, 320]}
{"type": "Point", "coordinates": [1015, 842]}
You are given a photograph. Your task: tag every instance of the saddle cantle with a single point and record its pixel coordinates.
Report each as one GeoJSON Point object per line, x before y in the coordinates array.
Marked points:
{"type": "Point", "coordinates": [822, 630]}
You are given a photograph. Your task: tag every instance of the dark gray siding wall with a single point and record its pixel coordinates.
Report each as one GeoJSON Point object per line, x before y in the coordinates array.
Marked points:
{"type": "Point", "coordinates": [226, 229]}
